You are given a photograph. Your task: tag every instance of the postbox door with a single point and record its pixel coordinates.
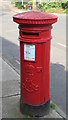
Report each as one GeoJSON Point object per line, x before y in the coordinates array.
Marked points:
{"type": "Point", "coordinates": [33, 90]}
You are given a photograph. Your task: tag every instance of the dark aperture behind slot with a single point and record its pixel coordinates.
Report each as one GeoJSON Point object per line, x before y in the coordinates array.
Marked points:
{"type": "Point", "coordinates": [30, 34]}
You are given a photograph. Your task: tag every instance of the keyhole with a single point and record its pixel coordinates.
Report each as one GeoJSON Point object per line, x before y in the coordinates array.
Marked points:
{"type": "Point", "coordinates": [40, 70]}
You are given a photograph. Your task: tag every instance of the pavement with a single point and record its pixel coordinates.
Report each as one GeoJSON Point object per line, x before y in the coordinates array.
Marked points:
{"type": "Point", "coordinates": [10, 68]}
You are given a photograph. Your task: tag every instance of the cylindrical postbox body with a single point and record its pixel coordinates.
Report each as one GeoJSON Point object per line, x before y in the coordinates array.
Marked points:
{"type": "Point", "coordinates": [35, 37]}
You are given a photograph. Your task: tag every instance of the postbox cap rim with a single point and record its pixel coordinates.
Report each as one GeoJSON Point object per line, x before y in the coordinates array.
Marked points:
{"type": "Point", "coordinates": [35, 17]}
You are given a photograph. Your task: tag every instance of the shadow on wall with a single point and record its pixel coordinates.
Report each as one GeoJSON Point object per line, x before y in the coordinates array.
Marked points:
{"type": "Point", "coordinates": [10, 53]}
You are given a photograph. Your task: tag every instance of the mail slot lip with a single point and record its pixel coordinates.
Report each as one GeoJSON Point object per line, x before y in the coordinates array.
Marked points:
{"type": "Point", "coordinates": [29, 34]}
{"type": "Point", "coordinates": [34, 35]}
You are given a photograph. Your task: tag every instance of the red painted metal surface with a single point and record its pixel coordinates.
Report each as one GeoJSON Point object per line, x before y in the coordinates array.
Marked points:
{"type": "Point", "coordinates": [35, 32]}
{"type": "Point", "coordinates": [35, 18]}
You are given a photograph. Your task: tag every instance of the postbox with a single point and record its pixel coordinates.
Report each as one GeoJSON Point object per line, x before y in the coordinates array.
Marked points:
{"type": "Point", "coordinates": [35, 38]}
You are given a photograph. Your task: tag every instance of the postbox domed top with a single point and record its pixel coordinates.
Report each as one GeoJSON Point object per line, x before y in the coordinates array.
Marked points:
{"type": "Point", "coordinates": [34, 17]}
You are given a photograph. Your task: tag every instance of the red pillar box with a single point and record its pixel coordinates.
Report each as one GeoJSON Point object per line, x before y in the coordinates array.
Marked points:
{"type": "Point", "coordinates": [35, 37]}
